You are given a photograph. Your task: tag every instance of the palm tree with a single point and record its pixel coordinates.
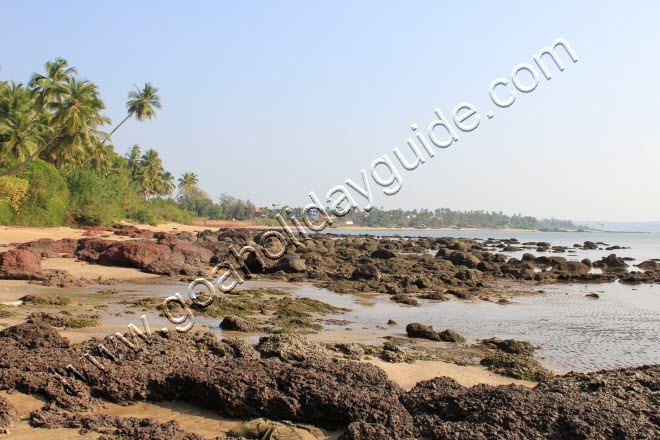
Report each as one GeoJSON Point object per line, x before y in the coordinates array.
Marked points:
{"type": "Point", "coordinates": [141, 103]}
{"type": "Point", "coordinates": [149, 173]}
{"type": "Point", "coordinates": [51, 86]}
{"type": "Point", "coordinates": [133, 158]}
{"type": "Point", "coordinates": [187, 182]}
{"type": "Point", "coordinates": [19, 137]}
{"type": "Point", "coordinates": [166, 184]}
{"type": "Point", "coordinates": [78, 117]}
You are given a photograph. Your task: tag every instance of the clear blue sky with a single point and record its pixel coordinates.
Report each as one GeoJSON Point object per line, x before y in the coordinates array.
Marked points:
{"type": "Point", "coordinates": [268, 101]}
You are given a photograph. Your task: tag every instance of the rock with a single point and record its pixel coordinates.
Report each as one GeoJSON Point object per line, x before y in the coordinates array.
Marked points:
{"type": "Point", "coordinates": [241, 348]}
{"type": "Point", "coordinates": [517, 367]}
{"type": "Point", "coordinates": [354, 351]}
{"type": "Point", "coordinates": [592, 295]}
{"type": "Point", "coordinates": [611, 261]}
{"type": "Point", "coordinates": [451, 336]}
{"type": "Point", "coordinates": [463, 259]}
{"type": "Point", "coordinates": [48, 245]}
{"type": "Point", "coordinates": [20, 264]}
{"type": "Point", "coordinates": [648, 265]}
{"type": "Point", "coordinates": [289, 265]}
{"type": "Point", "coordinates": [32, 336]}
{"type": "Point", "coordinates": [199, 370]}
{"type": "Point", "coordinates": [268, 429]}
{"type": "Point", "coordinates": [192, 253]}
{"type": "Point", "coordinates": [384, 254]}
{"type": "Point", "coordinates": [417, 330]}
{"type": "Point", "coordinates": [587, 262]}
{"type": "Point", "coordinates": [290, 347]}
{"type": "Point", "coordinates": [405, 299]}
{"type": "Point", "coordinates": [366, 271]}
{"type": "Point", "coordinates": [589, 245]}
{"type": "Point", "coordinates": [443, 409]}
{"type": "Point", "coordinates": [238, 324]}
{"type": "Point", "coordinates": [138, 254]}
{"type": "Point", "coordinates": [8, 413]}
{"type": "Point", "coordinates": [509, 346]}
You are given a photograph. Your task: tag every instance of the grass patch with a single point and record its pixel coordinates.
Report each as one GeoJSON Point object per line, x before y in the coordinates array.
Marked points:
{"type": "Point", "coordinates": [58, 320]}
{"type": "Point", "coordinates": [142, 302]}
{"type": "Point", "coordinates": [46, 300]}
{"type": "Point", "coordinates": [5, 313]}
{"type": "Point", "coordinates": [113, 291]}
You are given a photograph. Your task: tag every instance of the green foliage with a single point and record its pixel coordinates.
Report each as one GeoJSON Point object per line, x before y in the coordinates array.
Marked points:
{"type": "Point", "coordinates": [46, 300]}
{"type": "Point", "coordinates": [167, 210]}
{"type": "Point", "coordinates": [12, 191]}
{"type": "Point", "coordinates": [47, 196]}
{"type": "Point", "coordinates": [236, 209]}
{"type": "Point", "coordinates": [98, 201]}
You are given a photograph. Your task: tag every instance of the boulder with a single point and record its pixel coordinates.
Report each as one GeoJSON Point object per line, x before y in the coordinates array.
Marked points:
{"type": "Point", "coordinates": [648, 265]}
{"type": "Point", "coordinates": [238, 324]}
{"type": "Point", "coordinates": [366, 271]}
{"type": "Point", "coordinates": [138, 254]}
{"type": "Point", "coordinates": [417, 330]}
{"type": "Point", "coordinates": [289, 265]}
{"type": "Point", "coordinates": [20, 264]}
{"type": "Point", "coordinates": [384, 254]}
{"type": "Point", "coordinates": [463, 259]}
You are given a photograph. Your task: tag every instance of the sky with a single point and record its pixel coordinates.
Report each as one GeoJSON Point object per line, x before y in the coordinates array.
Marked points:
{"type": "Point", "coordinates": [268, 101]}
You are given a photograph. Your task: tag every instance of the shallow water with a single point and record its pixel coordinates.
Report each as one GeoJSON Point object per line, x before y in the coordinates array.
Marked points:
{"type": "Point", "coordinates": [642, 246]}
{"type": "Point", "coordinates": [620, 329]}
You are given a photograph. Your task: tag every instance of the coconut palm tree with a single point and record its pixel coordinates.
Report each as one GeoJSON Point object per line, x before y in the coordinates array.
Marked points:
{"type": "Point", "coordinates": [133, 158]}
{"type": "Point", "coordinates": [187, 182]}
{"type": "Point", "coordinates": [19, 137]}
{"type": "Point", "coordinates": [52, 85]}
{"type": "Point", "coordinates": [166, 184]}
{"type": "Point", "coordinates": [78, 118]}
{"type": "Point", "coordinates": [142, 103]}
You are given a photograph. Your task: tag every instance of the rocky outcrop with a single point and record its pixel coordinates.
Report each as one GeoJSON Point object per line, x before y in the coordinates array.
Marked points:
{"type": "Point", "coordinates": [442, 408]}
{"type": "Point", "coordinates": [8, 413]}
{"type": "Point", "coordinates": [20, 264]}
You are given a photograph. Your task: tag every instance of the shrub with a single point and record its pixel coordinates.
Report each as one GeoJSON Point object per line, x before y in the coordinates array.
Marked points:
{"type": "Point", "coordinates": [12, 191]}
{"type": "Point", "coordinates": [98, 200]}
{"type": "Point", "coordinates": [167, 210]}
{"type": "Point", "coordinates": [47, 196]}
{"type": "Point", "coordinates": [144, 216]}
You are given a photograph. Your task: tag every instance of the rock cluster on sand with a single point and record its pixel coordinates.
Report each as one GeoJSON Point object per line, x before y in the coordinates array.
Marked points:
{"type": "Point", "coordinates": [417, 330]}
{"type": "Point", "coordinates": [282, 381]}
{"type": "Point", "coordinates": [341, 263]}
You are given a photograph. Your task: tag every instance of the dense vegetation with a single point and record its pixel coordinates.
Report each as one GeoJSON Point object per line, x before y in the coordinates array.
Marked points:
{"type": "Point", "coordinates": [446, 218]}
{"type": "Point", "coordinates": [57, 165]}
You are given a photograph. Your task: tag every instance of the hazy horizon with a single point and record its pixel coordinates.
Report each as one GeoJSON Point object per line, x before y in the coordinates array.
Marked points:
{"type": "Point", "coordinates": [269, 102]}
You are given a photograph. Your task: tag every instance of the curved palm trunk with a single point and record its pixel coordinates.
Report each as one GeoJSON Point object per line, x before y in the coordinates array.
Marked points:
{"type": "Point", "coordinates": [31, 158]}
{"type": "Point", "coordinates": [39, 111]}
{"type": "Point", "coordinates": [120, 124]}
